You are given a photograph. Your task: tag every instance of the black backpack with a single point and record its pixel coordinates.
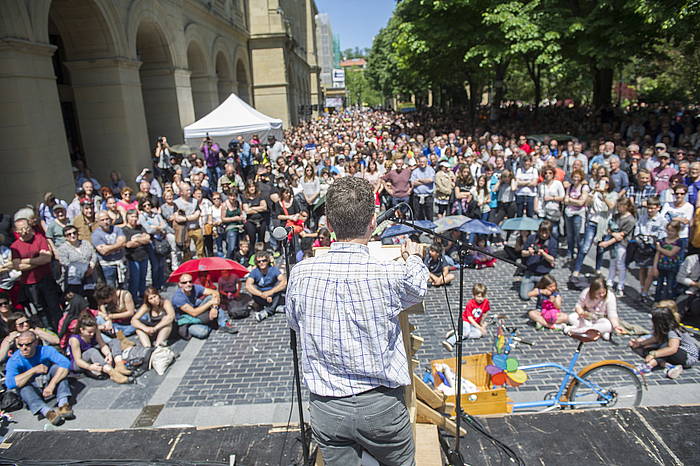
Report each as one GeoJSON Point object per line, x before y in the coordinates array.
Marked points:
{"type": "Point", "coordinates": [10, 401]}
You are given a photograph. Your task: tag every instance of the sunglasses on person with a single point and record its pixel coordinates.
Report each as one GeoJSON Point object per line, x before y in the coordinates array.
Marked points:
{"type": "Point", "coordinates": [146, 204]}
{"type": "Point", "coordinates": [185, 282]}
{"type": "Point", "coordinates": [72, 233]}
{"type": "Point", "coordinates": [680, 193]}
{"type": "Point", "coordinates": [24, 322]}
{"type": "Point", "coordinates": [261, 261]}
{"type": "Point", "coordinates": [4, 303]}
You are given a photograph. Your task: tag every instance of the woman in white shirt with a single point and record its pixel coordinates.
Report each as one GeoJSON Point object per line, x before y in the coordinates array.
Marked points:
{"type": "Point", "coordinates": [526, 182]}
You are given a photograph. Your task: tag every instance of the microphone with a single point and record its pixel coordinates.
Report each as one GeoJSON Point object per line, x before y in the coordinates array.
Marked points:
{"type": "Point", "coordinates": [389, 213]}
{"type": "Point", "coordinates": [280, 233]}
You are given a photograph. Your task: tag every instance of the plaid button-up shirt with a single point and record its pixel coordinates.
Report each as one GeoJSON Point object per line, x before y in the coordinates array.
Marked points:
{"type": "Point", "coordinates": [345, 306]}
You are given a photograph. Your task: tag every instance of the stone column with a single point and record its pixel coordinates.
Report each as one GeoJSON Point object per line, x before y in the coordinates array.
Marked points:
{"type": "Point", "coordinates": [205, 96]}
{"type": "Point", "coordinates": [167, 100]}
{"type": "Point", "coordinates": [110, 110]}
{"type": "Point", "coordinates": [225, 88]}
{"type": "Point", "coordinates": [34, 154]}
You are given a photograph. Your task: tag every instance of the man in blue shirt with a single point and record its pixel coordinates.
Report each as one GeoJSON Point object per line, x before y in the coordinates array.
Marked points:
{"type": "Point", "coordinates": [39, 372]}
{"type": "Point", "coordinates": [110, 243]}
{"type": "Point", "coordinates": [423, 182]}
{"type": "Point", "coordinates": [266, 284]}
{"type": "Point", "coordinates": [196, 307]}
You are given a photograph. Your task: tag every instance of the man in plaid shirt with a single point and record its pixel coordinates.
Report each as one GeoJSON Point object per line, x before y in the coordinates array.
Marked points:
{"type": "Point", "coordinates": [345, 306]}
{"type": "Point", "coordinates": [643, 191]}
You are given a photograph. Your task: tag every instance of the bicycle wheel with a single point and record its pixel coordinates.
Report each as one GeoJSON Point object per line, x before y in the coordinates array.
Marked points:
{"type": "Point", "coordinates": [615, 379]}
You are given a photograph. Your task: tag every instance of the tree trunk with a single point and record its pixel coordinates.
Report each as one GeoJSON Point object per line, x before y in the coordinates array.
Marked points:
{"type": "Point", "coordinates": [602, 87]}
{"type": "Point", "coordinates": [474, 98]}
{"type": "Point", "coordinates": [499, 86]}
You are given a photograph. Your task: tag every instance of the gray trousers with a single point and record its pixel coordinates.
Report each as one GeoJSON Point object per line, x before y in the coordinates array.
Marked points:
{"type": "Point", "coordinates": [376, 421]}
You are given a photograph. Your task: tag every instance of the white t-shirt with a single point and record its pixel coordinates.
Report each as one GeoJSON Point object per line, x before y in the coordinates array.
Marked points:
{"type": "Point", "coordinates": [669, 211]}
{"type": "Point", "coordinates": [526, 175]}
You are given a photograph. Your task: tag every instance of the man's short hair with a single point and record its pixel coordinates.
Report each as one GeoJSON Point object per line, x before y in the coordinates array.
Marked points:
{"type": "Point", "coordinates": [653, 201]}
{"type": "Point", "coordinates": [350, 207]}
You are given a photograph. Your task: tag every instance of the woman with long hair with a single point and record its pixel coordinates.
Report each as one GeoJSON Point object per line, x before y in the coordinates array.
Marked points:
{"type": "Point", "coordinates": [596, 309]}
{"type": "Point", "coordinates": [464, 182]}
{"type": "Point", "coordinates": [154, 319]}
{"type": "Point", "coordinates": [255, 207]}
{"type": "Point", "coordinates": [575, 202]}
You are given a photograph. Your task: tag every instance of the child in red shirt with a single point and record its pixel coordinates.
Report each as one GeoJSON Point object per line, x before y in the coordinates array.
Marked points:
{"type": "Point", "coordinates": [474, 312]}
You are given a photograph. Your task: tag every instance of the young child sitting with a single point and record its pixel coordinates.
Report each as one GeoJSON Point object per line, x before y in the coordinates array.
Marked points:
{"type": "Point", "coordinates": [547, 312]}
{"type": "Point", "coordinates": [481, 260]}
{"type": "Point", "coordinates": [669, 347]}
{"type": "Point", "coordinates": [474, 312]}
{"type": "Point", "coordinates": [439, 270]}
{"type": "Point", "coordinates": [242, 255]}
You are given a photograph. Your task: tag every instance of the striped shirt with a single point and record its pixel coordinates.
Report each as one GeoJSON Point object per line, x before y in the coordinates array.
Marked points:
{"type": "Point", "coordinates": [345, 306]}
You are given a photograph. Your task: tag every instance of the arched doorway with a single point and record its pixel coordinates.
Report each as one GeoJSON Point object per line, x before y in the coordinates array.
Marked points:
{"type": "Point", "coordinates": [224, 77]}
{"type": "Point", "coordinates": [242, 80]}
{"type": "Point", "coordinates": [202, 92]}
{"type": "Point", "coordinates": [160, 100]}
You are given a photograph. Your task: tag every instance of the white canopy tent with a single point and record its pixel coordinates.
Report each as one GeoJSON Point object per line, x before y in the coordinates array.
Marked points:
{"type": "Point", "coordinates": [232, 118]}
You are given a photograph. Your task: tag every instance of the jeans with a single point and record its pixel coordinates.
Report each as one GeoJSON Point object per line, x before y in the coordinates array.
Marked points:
{"type": "Point", "coordinates": [375, 421]}
{"type": "Point", "coordinates": [573, 233]}
{"type": "Point", "coordinates": [213, 173]}
{"type": "Point", "coordinates": [272, 307]}
{"type": "Point", "coordinates": [423, 211]}
{"type": "Point", "coordinates": [397, 200]}
{"type": "Point", "coordinates": [157, 268]}
{"type": "Point", "coordinates": [127, 329]}
{"type": "Point", "coordinates": [46, 297]}
{"type": "Point", "coordinates": [528, 284]}
{"type": "Point", "coordinates": [684, 248]}
{"type": "Point", "coordinates": [32, 396]}
{"type": "Point", "coordinates": [201, 331]}
{"type": "Point", "coordinates": [231, 243]}
{"type": "Point", "coordinates": [111, 275]}
{"type": "Point", "coordinates": [137, 278]}
{"type": "Point", "coordinates": [525, 204]}
{"type": "Point", "coordinates": [588, 237]}
{"type": "Point", "coordinates": [666, 285]}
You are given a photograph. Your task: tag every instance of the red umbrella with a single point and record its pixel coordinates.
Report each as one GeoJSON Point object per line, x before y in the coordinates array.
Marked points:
{"type": "Point", "coordinates": [213, 265]}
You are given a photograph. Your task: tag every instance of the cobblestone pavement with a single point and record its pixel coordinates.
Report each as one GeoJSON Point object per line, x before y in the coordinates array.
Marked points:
{"type": "Point", "coordinates": [255, 366]}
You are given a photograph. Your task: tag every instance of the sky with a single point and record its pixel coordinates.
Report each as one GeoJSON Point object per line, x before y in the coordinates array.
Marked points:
{"type": "Point", "coordinates": [356, 22]}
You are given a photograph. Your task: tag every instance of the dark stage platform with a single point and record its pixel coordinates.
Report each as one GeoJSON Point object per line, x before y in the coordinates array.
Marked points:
{"type": "Point", "coordinates": [641, 436]}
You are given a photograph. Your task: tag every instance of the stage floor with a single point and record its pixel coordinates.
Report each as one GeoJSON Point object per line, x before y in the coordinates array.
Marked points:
{"type": "Point", "coordinates": [655, 435]}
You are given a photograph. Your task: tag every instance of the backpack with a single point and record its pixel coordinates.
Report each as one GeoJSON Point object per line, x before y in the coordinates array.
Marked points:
{"type": "Point", "coordinates": [239, 308]}
{"type": "Point", "coordinates": [10, 401]}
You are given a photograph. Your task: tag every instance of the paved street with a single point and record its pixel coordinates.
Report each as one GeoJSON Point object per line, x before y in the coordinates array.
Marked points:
{"type": "Point", "coordinates": [247, 378]}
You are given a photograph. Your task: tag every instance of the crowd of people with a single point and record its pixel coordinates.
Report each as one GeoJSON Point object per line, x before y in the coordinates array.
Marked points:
{"type": "Point", "coordinates": [88, 272]}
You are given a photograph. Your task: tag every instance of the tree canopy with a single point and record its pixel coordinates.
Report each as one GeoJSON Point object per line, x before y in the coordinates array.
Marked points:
{"type": "Point", "coordinates": [562, 48]}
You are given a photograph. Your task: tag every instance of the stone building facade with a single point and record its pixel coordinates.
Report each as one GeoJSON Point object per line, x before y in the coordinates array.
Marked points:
{"type": "Point", "coordinates": [100, 80]}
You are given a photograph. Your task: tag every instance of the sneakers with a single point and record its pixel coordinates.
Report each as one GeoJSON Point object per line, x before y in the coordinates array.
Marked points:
{"type": "Point", "coordinates": [620, 293]}
{"type": "Point", "coordinates": [673, 371]}
{"type": "Point", "coordinates": [566, 330]}
{"type": "Point", "coordinates": [54, 418]}
{"type": "Point", "coordinates": [66, 412]}
{"type": "Point", "coordinates": [448, 346]}
{"type": "Point", "coordinates": [262, 315]}
{"type": "Point", "coordinates": [643, 368]}
{"type": "Point", "coordinates": [449, 334]}
{"type": "Point", "coordinates": [229, 328]}
{"type": "Point", "coordinates": [538, 326]}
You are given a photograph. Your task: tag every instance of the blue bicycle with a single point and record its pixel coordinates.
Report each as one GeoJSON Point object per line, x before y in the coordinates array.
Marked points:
{"type": "Point", "coordinates": [608, 383]}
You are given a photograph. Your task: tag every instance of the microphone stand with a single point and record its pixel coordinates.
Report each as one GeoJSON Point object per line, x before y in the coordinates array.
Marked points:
{"type": "Point", "coordinates": [295, 357]}
{"type": "Point", "coordinates": [454, 455]}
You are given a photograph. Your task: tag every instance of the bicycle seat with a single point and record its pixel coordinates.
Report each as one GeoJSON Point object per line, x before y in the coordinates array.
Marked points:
{"type": "Point", "coordinates": [587, 336]}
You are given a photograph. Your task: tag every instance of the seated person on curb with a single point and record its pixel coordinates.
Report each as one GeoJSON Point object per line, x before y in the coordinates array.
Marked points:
{"type": "Point", "coordinates": [154, 319]}
{"type": "Point", "coordinates": [265, 283]}
{"type": "Point", "coordinates": [116, 308]}
{"type": "Point", "coordinates": [670, 346]}
{"type": "Point", "coordinates": [438, 266]}
{"type": "Point", "coordinates": [539, 256]}
{"type": "Point", "coordinates": [38, 373]}
{"type": "Point", "coordinates": [90, 354]}
{"type": "Point", "coordinates": [197, 308]}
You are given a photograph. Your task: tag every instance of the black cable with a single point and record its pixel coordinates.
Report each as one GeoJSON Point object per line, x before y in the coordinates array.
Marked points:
{"type": "Point", "coordinates": [449, 308]}
{"type": "Point", "coordinates": [502, 447]}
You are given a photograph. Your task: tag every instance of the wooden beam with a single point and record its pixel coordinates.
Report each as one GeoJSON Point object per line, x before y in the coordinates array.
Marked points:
{"type": "Point", "coordinates": [427, 415]}
{"type": "Point", "coordinates": [427, 395]}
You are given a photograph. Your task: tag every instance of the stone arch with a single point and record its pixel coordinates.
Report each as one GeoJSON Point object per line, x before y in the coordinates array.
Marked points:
{"type": "Point", "coordinates": [200, 79]}
{"type": "Point", "coordinates": [224, 76]}
{"type": "Point", "coordinates": [243, 82]}
{"type": "Point", "coordinates": [158, 87]}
